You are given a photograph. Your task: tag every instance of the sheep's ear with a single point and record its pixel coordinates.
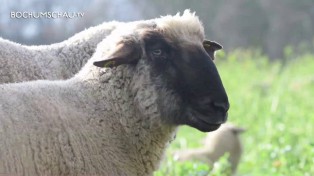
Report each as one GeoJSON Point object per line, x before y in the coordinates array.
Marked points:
{"type": "Point", "coordinates": [124, 53]}
{"type": "Point", "coordinates": [211, 47]}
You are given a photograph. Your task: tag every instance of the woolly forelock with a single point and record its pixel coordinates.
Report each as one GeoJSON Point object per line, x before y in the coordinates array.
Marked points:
{"type": "Point", "coordinates": [185, 28]}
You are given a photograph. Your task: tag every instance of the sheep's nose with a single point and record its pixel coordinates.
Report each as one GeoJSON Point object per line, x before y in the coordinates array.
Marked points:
{"type": "Point", "coordinates": [222, 106]}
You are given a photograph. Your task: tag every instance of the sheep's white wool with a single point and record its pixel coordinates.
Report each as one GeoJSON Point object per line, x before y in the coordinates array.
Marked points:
{"type": "Point", "coordinates": [100, 122]}
{"type": "Point", "coordinates": [56, 61]}
{"type": "Point", "coordinates": [176, 26]}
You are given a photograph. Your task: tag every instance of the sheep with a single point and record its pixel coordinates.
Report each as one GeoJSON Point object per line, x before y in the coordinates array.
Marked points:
{"type": "Point", "coordinates": [217, 144]}
{"type": "Point", "coordinates": [120, 112]}
{"type": "Point", "coordinates": [56, 61]}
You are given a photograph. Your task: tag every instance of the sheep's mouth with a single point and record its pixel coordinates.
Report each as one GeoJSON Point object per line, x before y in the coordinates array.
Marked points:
{"type": "Point", "coordinates": [205, 122]}
{"type": "Point", "coordinates": [206, 127]}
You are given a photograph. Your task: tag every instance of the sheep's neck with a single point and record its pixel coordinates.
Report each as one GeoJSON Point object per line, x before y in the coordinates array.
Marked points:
{"type": "Point", "coordinates": [137, 132]}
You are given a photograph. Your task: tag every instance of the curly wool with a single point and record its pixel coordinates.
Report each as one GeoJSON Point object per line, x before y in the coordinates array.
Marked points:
{"type": "Point", "coordinates": [100, 122]}
{"type": "Point", "coordinates": [20, 63]}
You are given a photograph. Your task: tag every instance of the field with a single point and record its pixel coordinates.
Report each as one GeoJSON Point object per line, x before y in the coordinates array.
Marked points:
{"type": "Point", "coordinates": [275, 103]}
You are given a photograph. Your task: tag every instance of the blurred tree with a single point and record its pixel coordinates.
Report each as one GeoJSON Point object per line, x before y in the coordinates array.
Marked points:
{"type": "Point", "coordinates": [290, 23]}
{"type": "Point", "coordinates": [270, 25]}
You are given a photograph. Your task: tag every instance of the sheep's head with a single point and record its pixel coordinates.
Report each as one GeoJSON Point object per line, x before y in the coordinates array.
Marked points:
{"type": "Point", "coordinates": [180, 61]}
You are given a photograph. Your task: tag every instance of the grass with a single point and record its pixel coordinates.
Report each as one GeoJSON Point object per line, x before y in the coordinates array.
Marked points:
{"type": "Point", "coordinates": [275, 103]}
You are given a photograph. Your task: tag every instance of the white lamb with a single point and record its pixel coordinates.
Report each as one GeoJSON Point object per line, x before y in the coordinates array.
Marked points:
{"type": "Point", "coordinates": [116, 120]}
{"type": "Point", "coordinates": [217, 144]}
{"type": "Point", "coordinates": [56, 61]}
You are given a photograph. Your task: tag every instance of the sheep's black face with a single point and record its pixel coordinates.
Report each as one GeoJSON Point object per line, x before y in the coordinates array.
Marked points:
{"type": "Point", "coordinates": [188, 71]}
{"type": "Point", "coordinates": [185, 77]}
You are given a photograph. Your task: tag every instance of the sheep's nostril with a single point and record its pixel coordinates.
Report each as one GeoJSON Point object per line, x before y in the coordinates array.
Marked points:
{"type": "Point", "coordinates": [222, 106]}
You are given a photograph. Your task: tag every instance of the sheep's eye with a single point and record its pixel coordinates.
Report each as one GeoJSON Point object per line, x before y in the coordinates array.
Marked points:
{"type": "Point", "coordinates": [157, 52]}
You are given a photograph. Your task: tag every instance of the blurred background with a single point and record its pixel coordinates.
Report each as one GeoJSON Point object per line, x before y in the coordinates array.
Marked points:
{"type": "Point", "coordinates": [267, 67]}
{"type": "Point", "coordinates": [265, 24]}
